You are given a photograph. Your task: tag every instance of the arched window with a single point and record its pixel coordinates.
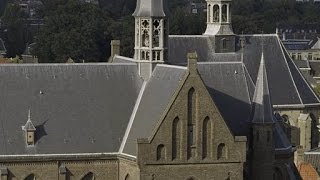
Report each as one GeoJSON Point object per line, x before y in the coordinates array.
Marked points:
{"type": "Point", "coordinates": [127, 177]}
{"type": "Point", "coordinates": [222, 152]}
{"type": "Point", "coordinates": [224, 43]}
{"type": "Point", "coordinates": [161, 152]}
{"type": "Point", "coordinates": [176, 138]}
{"type": "Point", "coordinates": [224, 13]}
{"type": "Point", "coordinates": [191, 115]}
{"type": "Point", "coordinates": [88, 176]}
{"type": "Point", "coordinates": [30, 177]}
{"type": "Point", "coordinates": [216, 13]}
{"type": "Point", "coordinates": [206, 137]}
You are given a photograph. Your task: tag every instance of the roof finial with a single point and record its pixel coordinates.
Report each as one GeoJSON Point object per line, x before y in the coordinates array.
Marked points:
{"type": "Point", "coordinates": [29, 115]}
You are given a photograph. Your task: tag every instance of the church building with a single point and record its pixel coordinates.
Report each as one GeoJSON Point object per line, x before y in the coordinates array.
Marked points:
{"type": "Point", "coordinates": [189, 107]}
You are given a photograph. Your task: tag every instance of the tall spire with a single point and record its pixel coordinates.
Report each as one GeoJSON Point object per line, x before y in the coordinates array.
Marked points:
{"type": "Point", "coordinates": [263, 111]}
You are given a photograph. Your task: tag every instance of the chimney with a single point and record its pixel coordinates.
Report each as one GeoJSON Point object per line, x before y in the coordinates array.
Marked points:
{"type": "Point", "coordinates": [192, 62]}
{"type": "Point", "coordinates": [115, 49]}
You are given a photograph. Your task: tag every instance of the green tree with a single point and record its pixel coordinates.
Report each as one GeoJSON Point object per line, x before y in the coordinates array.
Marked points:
{"type": "Point", "coordinates": [3, 4]}
{"type": "Point", "coordinates": [15, 35]}
{"type": "Point", "coordinates": [73, 30]}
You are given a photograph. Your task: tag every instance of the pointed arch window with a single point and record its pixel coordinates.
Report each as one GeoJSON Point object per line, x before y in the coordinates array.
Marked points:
{"type": "Point", "coordinates": [176, 138]}
{"type": "Point", "coordinates": [88, 176]}
{"type": "Point", "coordinates": [222, 152]}
{"type": "Point", "coordinates": [206, 137]}
{"type": "Point", "coordinates": [192, 101]}
{"type": "Point", "coordinates": [224, 43]}
{"type": "Point", "coordinates": [30, 177]}
{"type": "Point", "coordinates": [127, 177]}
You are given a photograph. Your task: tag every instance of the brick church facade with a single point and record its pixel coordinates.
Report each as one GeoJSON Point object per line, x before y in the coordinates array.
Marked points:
{"type": "Point", "coordinates": [212, 106]}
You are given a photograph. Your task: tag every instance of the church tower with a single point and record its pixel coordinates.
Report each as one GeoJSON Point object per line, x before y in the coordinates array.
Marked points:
{"type": "Point", "coordinates": [151, 35]}
{"type": "Point", "coordinates": [219, 25]}
{"type": "Point", "coordinates": [219, 17]}
{"type": "Point", "coordinates": [263, 143]}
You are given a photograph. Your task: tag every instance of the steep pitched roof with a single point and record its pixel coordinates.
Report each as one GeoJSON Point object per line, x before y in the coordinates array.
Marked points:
{"type": "Point", "coordinates": [263, 112]}
{"type": "Point", "coordinates": [228, 87]}
{"type": "Point", "coordinates": [287, 86]}
{"type": "Point", "coordinates": [156, 96]}
{"type": "Point", "coordinates": [77, 108]}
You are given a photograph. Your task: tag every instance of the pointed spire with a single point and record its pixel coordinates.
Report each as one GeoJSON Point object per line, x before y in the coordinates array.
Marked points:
{"type": "Point", "coordinates": [262, 106]}
{"type": "Point", "coordinates": [29, 125]}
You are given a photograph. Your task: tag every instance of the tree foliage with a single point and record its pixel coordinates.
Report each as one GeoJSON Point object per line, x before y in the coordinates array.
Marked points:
{"type": "Point", "coordinates": [84, 31]}
{"type": "Point", "coordinates": [15, 34]}
{"type": "Point", "coordinates": [73, 30]}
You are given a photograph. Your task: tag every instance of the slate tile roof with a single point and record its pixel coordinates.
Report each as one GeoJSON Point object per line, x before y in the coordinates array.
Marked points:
{"type": "Point", "coordinates": [287, 86]}
{"type": "Point", "coordinates": [157, 94]}
{"type": "Point", "coordinates": [76, 108]}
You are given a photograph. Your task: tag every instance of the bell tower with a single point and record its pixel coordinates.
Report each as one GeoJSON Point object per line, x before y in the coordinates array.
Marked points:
{"type": "Point", "coordinates": [219, 17]}
{"type": "Point", "coordinates": [151, 35]}
{"type": "Point", "coordinates": [219, 25]}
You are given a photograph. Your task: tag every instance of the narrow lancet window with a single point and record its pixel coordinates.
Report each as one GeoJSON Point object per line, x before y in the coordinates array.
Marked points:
{"type": "Point", "coordinates": [176, 139]}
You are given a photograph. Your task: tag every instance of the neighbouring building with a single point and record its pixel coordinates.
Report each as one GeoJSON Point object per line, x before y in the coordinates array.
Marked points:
{"type": "Point", "coordinates": [303, 49]}
{"type": "Point", "coordinates": [237, 107]}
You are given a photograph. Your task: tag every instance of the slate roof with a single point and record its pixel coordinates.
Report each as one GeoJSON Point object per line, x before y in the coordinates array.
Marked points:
{"type": "Point", "coordinates": [156, 96]}
{"type": "Point", "coordinates": [262, 112]}
{"type": "Point", "coordinates": [227, 85]}
{"type": "Point", "coordinates": [151, 8]}
{"type": "Point", "coordinates": [296, 44]}
{"type": "Point", "coordinates": [302, 64]}
{"type": "Point", "coordinates": [287, 86]}
{"type": "Point", "coordinates": [282, 144]}
{"type": "Point", "coordinates": [76, 108]}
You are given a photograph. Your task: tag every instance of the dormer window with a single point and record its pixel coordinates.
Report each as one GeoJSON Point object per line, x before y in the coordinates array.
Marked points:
{"type": "Point", "coordinates": [29, 131]}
